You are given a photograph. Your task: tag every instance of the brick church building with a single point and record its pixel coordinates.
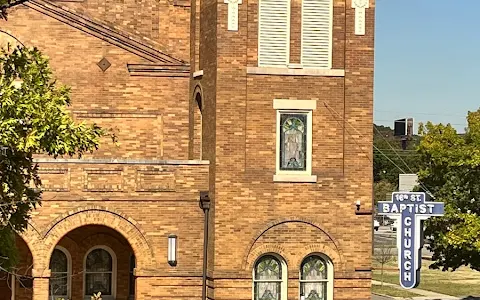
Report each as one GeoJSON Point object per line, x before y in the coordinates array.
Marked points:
{"type": "Point", "coordinates": [247, 120]}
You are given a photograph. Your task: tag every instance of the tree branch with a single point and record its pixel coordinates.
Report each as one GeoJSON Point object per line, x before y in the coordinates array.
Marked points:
{"type": "Point", "coordinates": [9, 4]}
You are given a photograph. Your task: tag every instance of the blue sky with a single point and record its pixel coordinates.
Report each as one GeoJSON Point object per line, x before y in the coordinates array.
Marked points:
{"type": "Point", "coordinates": [427, 60]}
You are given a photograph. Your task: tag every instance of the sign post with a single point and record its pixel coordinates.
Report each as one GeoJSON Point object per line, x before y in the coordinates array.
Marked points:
{"type": "Point", "coordinates": [410, 210]}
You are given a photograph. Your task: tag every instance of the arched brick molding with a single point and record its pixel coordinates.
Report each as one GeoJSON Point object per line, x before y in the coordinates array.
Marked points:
{"type": "Point", "coordinates": [265, 249]}
{"type": "Point", "coordinates": [336, 257]}
{"type": "Point", "coordinates": [124, 225]}
{"type": "Point", "coordinates": [32, 238]}
{"type": "Point", "coordinates": [281, 221]}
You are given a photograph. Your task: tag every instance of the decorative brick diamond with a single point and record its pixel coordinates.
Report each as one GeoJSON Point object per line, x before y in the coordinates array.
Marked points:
{"type": "Point", "coordinates": [104, 64]}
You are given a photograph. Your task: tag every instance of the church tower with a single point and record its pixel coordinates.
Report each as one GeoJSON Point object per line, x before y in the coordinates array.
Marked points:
{"type": "Point", "coordinates": [282, 106]}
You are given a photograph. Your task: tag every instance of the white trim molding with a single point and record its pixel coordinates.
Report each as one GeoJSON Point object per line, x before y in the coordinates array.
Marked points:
{"type": "Point", "coordinates": [296, 71]}
{"type": "Point", "coordinates": [114, 273]}
{"type": "Point", "coordinates": [197, 74]}
{"type": "Point", "coordinates": [295, 178]}
{"type": "Point", "coordinates": [291, 106]}
{"type": "Point", "coordinates": [294, 104]}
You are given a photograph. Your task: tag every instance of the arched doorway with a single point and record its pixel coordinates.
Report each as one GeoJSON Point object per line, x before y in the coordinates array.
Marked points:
{"type": "Point", "coordinates": [18, 281]}
{"type": "Point", "coordinates": [92, 259]}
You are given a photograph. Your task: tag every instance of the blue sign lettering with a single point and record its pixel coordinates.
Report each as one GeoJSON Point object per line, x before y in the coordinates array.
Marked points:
{"type": "Point", "coordinates": [410, 210]}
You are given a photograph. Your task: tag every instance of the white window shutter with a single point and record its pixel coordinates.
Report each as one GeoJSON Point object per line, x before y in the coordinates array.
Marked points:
{"type": "Point", "coordinates": [317, 21]}
{"type": "Point", "coordinates": [274, 33]}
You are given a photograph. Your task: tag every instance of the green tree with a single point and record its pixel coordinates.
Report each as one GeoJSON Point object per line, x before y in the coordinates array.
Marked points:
{"type": "Point", "coordinates": [33, 119]}
{"type": "Point", "coordinates": [6, 4]}
{"type": "Point", "coordinates": [450, 169]}
{"type": "Point", "coordinates": [381, 189]}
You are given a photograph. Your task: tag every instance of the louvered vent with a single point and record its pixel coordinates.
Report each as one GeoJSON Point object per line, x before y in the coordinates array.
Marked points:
{"type": "Point", "coordinates": [274, 32]}
{"type": "Point", "coordinates": [316, 33]}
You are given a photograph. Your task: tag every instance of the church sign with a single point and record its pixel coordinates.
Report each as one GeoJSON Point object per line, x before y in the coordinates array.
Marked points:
{"type": "Point", "coordinates": [410, 210]}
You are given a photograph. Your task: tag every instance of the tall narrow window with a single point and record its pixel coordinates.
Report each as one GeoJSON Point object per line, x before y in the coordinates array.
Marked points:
{"type": "Point", "coordinates": [274, 33]}
{"type": "Point", "coordinates": [317, 19]}
{"type": "Point", "coordinates": [99, 273]}
{"type": "Point", "coordinates": [197, 126]}
{"type": "Point", "coordinates": [316, 278]}
{"type": "Point", "coordinates": [294, 140]}
{"type": "Point", "coordinates": [269, 279]}
{"type": "Point", "coordinates": [60, 267]}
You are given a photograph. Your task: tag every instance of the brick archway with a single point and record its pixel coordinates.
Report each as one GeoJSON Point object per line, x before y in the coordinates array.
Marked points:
{"type": "Point", "coordinates": [281, 221]}
{"type": "Point", "coordinates": [265, 249]}
{"type": "Point", "coordinates": [124, 225]}
{"type": "Point", "coordinates": [33, 239]}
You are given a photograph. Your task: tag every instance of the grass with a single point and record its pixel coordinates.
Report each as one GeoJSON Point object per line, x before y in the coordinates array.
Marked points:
{"type": "Point", "coordinates": [463, 282]}
{"type": "Point", "coordinates": [393, 292]}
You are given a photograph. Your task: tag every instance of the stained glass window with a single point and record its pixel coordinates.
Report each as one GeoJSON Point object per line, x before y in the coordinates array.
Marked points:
{"type": "Point", "coordinates": [314, 278]}
{"type": "Point", "coordinates": [58, 284]}
{"type": "Point", "coordinates": [268, 278]}
{"type": "Point", "coordinates": [293, 141]}
{"type": "Point", "coordinates": [99, 272]}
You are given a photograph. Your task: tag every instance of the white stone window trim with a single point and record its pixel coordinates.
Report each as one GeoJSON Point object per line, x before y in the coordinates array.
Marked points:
{"type": "Point", "coordinates": [296, 71]}
{"type": "Point", "coordinates": [294, 106]}
{"type": "Point", "coordinates": [284, 280]}
{"type": "Point", "coordinates": [114, 272]}
{"type": "Point", "coordinates": [330, 274]}
{"type": "Point", "coordinates": [69, 273]}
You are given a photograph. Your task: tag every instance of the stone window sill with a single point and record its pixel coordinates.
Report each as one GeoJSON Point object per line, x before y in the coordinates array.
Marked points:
{"type": "Point", "coordinates": [295, 72]}
{"type": "Point", "coordinates": [295, 178]}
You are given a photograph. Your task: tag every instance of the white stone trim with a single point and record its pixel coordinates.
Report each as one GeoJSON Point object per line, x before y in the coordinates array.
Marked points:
{"type": "Point", "coordinates": [114, 272]}
{"type": "Point", "coordinates": [294, 104]}
{"type": "Point", "coordinates": [120, 161]}
{"type": "Point", "coordinates": [296, 72]}
{"type": "Point", "coordinates": [197, 73]}
{"type": "Point", "coordinates": [295, 178]}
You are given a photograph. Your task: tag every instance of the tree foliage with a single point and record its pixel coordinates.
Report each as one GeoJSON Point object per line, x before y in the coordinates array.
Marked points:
{"type": "Point", "coordinates": [389, 157]}
{"type": "Point", "coordinates": [450, 169]}
{"type": "Point", "coordinates": [6, 4]}
{"type": "Point", "coordinates": [33, 119]}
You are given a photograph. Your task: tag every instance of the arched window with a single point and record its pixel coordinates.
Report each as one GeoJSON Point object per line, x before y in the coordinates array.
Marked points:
{"type": "Point", "coordinates": [60, 267]}
{"type": "Point", "coordinates": [269, 278]}
{"type": "Point", "coordinates": [100, 272]}
{"type": "Point", "coordinates": [316, 278]}
{"type": "Point", "coordinates": [197, 125]}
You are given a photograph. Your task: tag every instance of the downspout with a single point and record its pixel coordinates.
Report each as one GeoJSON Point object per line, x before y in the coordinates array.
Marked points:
{"type": "Point", "coordinates": [205, 205]}
{"type": "Point", "coordinates": [14, 282]}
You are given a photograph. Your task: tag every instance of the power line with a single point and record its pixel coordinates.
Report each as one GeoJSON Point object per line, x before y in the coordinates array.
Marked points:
{"type": "Point", "coordinates": [458, 124]}
{"type": "Point", "coordinates": [405, 163]}
{"type": "Point", "coordinates": [421, 113]}
{"type": "Point", "coordinates": [333, 111]}
{"type": "Point", "coordinates": [359, 133]}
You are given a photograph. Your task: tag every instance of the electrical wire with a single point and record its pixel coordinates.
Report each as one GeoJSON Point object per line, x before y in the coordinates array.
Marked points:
{"type": "Point", "coordinates": [421, 184]}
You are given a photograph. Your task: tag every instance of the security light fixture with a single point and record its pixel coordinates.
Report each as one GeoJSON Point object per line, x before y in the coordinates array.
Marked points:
{"type": "Point", "coordinates": [172, 250]}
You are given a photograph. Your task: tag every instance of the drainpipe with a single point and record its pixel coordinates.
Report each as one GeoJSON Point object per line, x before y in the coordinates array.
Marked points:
{"type": "Point", "coordinates": [14, 283]}
{"type": "Point", "coordinates": [205, 205]}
